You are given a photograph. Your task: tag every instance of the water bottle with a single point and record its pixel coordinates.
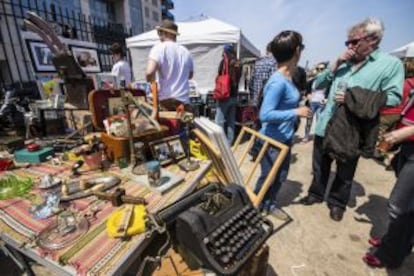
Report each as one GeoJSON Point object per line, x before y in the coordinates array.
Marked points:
{"type": "Point", "coordinates": [341, 89]}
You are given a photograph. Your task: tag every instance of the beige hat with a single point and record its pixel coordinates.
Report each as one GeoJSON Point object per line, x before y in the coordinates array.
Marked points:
{"type": "Point", "coordinates": [168, 26]}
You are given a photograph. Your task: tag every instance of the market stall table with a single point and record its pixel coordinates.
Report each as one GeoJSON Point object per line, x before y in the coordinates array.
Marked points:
{"type": "Point", "coordinates": [94, 253]}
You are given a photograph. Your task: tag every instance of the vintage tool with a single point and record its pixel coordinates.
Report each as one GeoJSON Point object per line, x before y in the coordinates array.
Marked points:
{"type": "Point", "coordinates": [118, 198]}
{"type": "Point", "coordinates": [223, 232]}
{"type": "Point", "coordinates": [215, 228]}
{"type": "Point", "coordinates": [82, 186]}
{"type": "Point", "coordinates": [188, 164]}
{"type": "Point", "coordinates": [125, 222]}
{"type": "Point", "coordinates": [86, 187]}
{"type": "Point", "coordinates": [49, 181]}
{"type": "Point", "coordinates": [78, 164]}
{"type": "Point", "coordinates": [126, 218]}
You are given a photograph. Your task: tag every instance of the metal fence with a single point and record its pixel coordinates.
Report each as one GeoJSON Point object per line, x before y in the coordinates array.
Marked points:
{"type": "Point", "coordinates": [15, 63]}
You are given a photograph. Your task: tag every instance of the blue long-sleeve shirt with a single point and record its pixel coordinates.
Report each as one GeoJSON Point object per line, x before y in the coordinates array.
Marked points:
{"type": "Point", "coordinates": [277, 113]}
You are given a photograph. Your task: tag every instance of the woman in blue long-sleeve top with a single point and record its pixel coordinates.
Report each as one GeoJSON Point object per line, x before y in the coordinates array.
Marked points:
{"type": "Point", "coordinates": [279, 112]}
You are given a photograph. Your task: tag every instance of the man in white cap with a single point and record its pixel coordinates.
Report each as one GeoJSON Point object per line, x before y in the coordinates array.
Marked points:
{"type": "Point", "coordinates": [174, 65]}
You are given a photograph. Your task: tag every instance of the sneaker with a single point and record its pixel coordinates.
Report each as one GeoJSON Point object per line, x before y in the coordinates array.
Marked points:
{"type": "Point", "coordinates": [278, 213]}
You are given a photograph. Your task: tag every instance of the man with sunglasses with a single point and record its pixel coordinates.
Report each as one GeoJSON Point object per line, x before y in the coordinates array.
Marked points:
{"type": "Point", "coordinates": [362, 64]}
{"type": "Point", "coordinates": [175, 67]}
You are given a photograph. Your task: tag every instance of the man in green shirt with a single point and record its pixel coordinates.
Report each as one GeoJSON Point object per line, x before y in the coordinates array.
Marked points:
{"type": "Point", "coordinates": [361, 64]}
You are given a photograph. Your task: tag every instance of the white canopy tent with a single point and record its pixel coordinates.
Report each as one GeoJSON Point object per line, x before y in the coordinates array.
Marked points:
{"type": "Point", "coordinates": [204, 39]}
{"type": "Point", "coordinates": [404, 51]}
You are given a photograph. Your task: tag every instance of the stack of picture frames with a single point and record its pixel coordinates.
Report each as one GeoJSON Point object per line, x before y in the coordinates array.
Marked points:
{"type": "Point", "coordinates": [42, 56]}
{"type": "Point", "coordinates": [214, 143]}
{"type": "Point", "coordinates": [167, 150]}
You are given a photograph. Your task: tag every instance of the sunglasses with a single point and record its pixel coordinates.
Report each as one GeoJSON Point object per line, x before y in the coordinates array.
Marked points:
{"type": "Point", "coordinates": [320, 68]}
{"type": "Point", "coordinates": [355, 41]}
{"type": "Point", "coordinates": [302, 47]}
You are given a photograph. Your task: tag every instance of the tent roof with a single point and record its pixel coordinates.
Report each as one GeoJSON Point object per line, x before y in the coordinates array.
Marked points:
{"type": "Point", "coordinates": [205, 31]}
{"type": "Point", "coordinates": [404, 51]}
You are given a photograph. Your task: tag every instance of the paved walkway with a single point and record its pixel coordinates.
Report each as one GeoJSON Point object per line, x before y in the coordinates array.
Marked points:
{"type": "Point", "coordinates": [313, 244]}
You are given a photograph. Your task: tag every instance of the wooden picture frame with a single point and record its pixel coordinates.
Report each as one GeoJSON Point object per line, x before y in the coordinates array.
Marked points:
{"type": "Point", "coordinates": [267, 142]}
{"type": "Point", "coordinates": [41, 56]}
{"type": "Point", "coordinates": [176, 148]}
{"type": "Point", "coordinates": [87, 58]}
{"type": "Point", "coordinates": [167, 150]}
{"type": "Point", "coordinates": [161, 151]}
{"type": "Point", "coordinates": [228, 163]}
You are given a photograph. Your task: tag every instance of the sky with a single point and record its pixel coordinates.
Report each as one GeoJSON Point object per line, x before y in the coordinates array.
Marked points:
{"type": "Point", "coordinates": [322, 23]}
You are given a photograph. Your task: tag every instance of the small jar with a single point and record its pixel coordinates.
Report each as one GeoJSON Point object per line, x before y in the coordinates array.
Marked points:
{"type": "Point", "coordinates": [154, 173]}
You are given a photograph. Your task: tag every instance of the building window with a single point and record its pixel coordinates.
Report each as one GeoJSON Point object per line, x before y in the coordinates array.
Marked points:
{"type": "Point", "coordinates": [155, 2]}
{"type": "Point", "coordinates": [147, 13]}
{"type": "Point", "coordinates": [155, 16]}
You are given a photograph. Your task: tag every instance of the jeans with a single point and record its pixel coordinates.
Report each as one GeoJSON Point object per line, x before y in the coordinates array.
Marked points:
{"type": "Point", "coordinates": [321, 168]}
{"type": "Point", "coordinates": [316, 108]}
{"type": "Point", "coordinates": [398, 241]}
{"type": "Point", "coordinates": [226, 117]}
{"type": "Point", "coordinates": [266, 164]}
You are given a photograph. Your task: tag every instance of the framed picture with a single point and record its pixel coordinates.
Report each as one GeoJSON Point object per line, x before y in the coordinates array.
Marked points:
{"type": "Point", "coordinates": [87, 58]}
{"type": "Point", "coordinates": [167, 150]}
{"type": "Point", "coordinates": [116, 106]}
{"type": "Point", "coordinates": [161, 152]}
{"type": "Point", "coordinates": [41, 56]}
{"type": "Point", "coordinates": [176, 148]}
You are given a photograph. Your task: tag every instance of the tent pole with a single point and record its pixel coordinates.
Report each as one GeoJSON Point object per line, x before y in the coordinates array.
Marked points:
{"type": "Point", "coordinates": [238, 49]}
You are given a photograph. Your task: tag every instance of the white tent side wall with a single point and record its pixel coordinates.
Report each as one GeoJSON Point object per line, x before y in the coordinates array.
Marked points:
{"type": "Point", "coordinates": [404, 51]}
{"type": "Point", "coordinates": [204, 39]}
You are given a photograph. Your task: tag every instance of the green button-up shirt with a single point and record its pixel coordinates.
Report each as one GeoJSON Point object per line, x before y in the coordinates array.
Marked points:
{"type": "Point", "coordinates": [380, 72]}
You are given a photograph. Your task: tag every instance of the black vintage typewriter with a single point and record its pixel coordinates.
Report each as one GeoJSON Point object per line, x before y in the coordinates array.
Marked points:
{"type": "Point", "coordinates": [222, 232]}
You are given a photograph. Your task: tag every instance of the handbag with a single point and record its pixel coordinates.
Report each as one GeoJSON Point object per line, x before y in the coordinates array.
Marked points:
{"type": "Point", "coordinates": [223, 82]}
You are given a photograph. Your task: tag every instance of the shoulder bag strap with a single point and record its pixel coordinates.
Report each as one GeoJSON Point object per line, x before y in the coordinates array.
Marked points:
{"type": "Point", "coordinates": [225, 69]}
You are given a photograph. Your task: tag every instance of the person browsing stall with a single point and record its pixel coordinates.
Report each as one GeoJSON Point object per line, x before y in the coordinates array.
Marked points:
{"type": "Point", "coordinates": [279, 113]}
{"type": "Point", "coordinates": [226, 108]}
{"type": "Point", "coordinates": [362, 65]}
{"type": "Point", "coordinates": [121, 68]}
{"type": "Point", "coordinates": [174, 65]}
{"type": "Point", "coordinates": [396, 245]}
{"type": "Point", "coordinates": [263, 69]}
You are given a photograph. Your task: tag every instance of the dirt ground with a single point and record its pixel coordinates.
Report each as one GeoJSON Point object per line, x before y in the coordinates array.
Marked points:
{"type": "Point", "coordinates": [311, 243]}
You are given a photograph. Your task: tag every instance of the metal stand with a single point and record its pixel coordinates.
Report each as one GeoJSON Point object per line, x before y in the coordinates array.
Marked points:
{"type": "Point", "coordinates": [188, 164]}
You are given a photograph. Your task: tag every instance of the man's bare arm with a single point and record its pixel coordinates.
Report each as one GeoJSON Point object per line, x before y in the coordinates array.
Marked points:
{"type": "Point", "coordinates": [152, 67]}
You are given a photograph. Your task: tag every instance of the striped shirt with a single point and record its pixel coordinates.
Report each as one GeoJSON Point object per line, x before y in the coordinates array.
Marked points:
{"type": "Point", "coordinates": [262, 71]}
